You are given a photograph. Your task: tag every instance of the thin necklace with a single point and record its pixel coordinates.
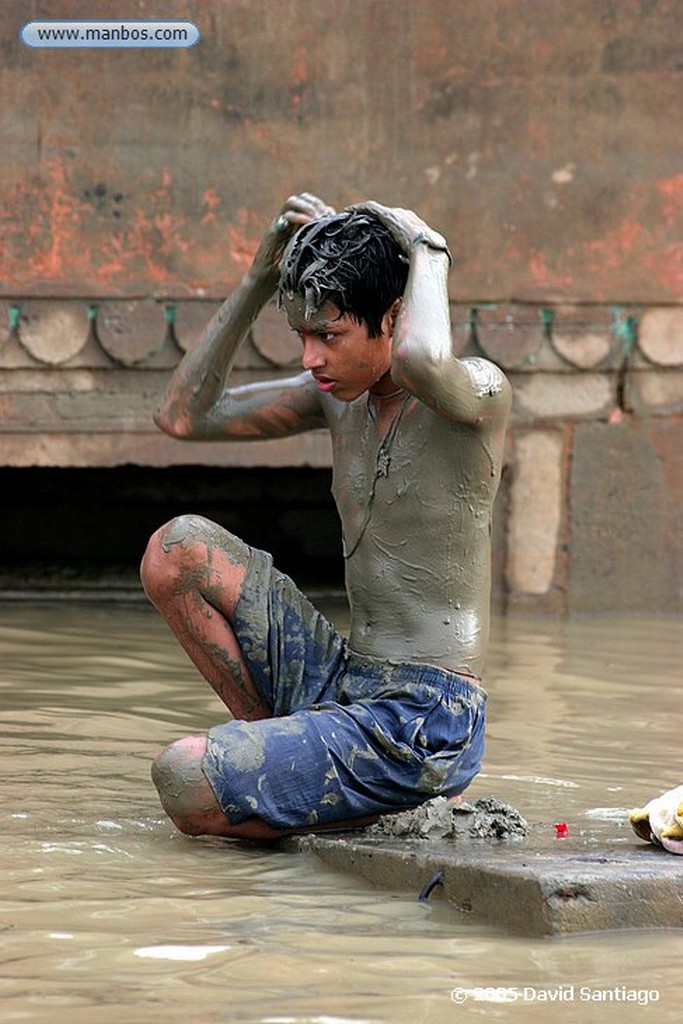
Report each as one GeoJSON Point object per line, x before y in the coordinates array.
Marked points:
{"type": "Point", "coordinates": [382, 464]}
{"type": "Point", "coordinates": [392, 394]}
{"type": "Point", "coordinates": [373, 410]}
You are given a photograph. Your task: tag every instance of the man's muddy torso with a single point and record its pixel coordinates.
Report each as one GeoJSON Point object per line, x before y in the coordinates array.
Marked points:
{"type": "Point", "coordinates": [415, 502]}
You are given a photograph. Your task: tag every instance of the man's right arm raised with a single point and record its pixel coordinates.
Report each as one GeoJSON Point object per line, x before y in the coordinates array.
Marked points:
{"type": "Point", "coordinates": [198, 404]}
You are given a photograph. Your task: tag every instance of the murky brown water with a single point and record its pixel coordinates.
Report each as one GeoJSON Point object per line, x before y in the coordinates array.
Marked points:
{"type": "Point", "coordinates": [108, 915]}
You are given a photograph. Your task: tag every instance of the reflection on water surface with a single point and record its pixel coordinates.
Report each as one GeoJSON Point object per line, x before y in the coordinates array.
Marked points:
{"type": "Point", "coordinates": [108, 915]}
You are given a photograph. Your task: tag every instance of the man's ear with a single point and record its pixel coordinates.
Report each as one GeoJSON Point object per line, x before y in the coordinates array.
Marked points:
{"type": "Point", "coordinates": [389, 318]}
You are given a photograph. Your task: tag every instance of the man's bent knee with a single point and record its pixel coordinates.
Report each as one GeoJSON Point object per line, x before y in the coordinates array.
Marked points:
{"type": "Point", "coordinates": [181, 546]}
{"type": "Point", "coordinates": [183, 789]}
{"type": "Point", "coordinates": [188, 799]}
{"type": "Point", "coordinates": [161, 560]}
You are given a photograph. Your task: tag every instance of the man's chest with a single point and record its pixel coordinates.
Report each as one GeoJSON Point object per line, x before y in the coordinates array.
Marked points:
{"type": "Point", "coordinates": [391, 481]}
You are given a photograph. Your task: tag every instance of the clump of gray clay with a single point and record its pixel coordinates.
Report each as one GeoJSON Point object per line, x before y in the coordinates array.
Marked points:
{"type": "Point", "coordinates": [487, 818]}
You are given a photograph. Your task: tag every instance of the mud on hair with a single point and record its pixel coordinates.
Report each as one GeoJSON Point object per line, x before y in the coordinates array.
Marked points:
{"type": "Point", "coordinates": [350, 260]}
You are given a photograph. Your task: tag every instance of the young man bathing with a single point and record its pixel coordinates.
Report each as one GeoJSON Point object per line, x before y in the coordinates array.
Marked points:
{"type": "Point", "coordinates": [329, 731]}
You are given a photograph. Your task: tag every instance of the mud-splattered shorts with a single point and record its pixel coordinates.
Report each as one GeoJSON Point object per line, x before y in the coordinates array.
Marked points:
{"type": "Point", "coordinates": [351, 736]}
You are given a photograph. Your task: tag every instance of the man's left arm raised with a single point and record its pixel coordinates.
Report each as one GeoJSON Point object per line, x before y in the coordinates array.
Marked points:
{"type": "Point", "coordinates": [470, 390]}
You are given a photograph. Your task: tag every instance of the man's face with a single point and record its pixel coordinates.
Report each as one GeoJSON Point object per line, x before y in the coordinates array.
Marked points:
{"type": "Point", "coordinates": [342, 359]}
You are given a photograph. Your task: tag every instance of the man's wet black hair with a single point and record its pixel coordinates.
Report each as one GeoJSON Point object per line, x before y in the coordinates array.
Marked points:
{"type": "Point", "coordinates": [350, 260]}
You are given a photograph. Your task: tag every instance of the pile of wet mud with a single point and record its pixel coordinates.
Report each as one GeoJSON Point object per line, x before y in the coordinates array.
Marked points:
{"type": "Point", "coordinates": [485, 818]}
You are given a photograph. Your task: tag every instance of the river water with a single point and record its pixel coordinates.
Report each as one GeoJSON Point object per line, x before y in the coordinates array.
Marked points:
{"type": "Point", "coordinates": [108, 916]}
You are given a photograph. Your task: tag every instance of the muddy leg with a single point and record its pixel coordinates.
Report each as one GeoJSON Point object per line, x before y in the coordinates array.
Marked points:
{"type": "Point", "coordinates": [193, 571]}
{"type": "Point", "coordinates": [190, 803]}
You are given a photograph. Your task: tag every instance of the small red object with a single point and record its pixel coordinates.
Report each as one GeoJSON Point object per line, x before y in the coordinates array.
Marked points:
{"type": "Point", "coordinates": [561, 829]}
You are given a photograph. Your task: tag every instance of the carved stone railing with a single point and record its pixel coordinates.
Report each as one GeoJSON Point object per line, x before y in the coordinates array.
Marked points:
{"type": "Point", "coordinates": [591, 507]}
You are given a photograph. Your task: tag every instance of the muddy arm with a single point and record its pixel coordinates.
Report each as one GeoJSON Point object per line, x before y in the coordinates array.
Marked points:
{"type": "Point", "coordinates": [466, 390]}
{"type": "Point", "coordinates": [198, 405]}
{"type": "Point", "coordinates": [265, 409]}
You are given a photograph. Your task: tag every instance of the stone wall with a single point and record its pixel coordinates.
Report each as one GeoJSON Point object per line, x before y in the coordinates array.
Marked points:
{"type": "Point", "coordinates": [540, 136]}
{"type": "Point", "coordinates": [594, 488]}
{"type": "Point", "coordinates": [590, 514]}
{"type": "Point", "coordinates": [134, 188]}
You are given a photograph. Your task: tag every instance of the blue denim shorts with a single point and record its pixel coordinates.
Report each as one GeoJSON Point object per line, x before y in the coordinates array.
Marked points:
{"type": "Point", "coordinates": [350, 737]}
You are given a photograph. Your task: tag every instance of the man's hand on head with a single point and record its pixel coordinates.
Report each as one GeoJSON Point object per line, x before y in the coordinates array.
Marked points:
{"type": "Point", "coordinates": [299, 209]}
{"type": "Point", "coordinates": [407, 228]}
{"type": "Point", "coordinates": [296, 211]}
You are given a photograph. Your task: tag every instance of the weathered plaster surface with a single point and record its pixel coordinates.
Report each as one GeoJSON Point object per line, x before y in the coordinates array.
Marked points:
{"type": "Point", "coordinates": [543, 147]}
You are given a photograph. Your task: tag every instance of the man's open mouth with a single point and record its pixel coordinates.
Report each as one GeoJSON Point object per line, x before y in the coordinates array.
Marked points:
{"type": "Point", "coordinates": [324, 383]}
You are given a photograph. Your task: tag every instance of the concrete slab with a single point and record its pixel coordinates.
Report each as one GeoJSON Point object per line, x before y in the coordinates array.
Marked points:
{"type": "Point", "coordinates": [536, 885]}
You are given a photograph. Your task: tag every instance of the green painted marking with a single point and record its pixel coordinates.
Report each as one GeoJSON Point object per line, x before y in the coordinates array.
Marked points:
{"type": "Point", "coordinates": [625, 330]}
